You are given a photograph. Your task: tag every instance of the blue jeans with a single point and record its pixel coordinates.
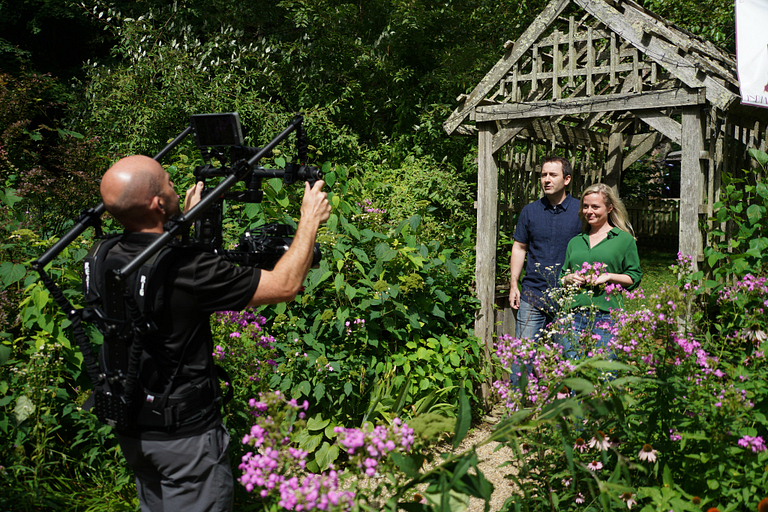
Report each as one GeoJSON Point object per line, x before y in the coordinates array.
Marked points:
{"type": "Point", "coordinates": [528, 325]}
{"type": "Point", "coordinates": [585, 321]}
{"type": "Point", "coordinates": [530, 320]}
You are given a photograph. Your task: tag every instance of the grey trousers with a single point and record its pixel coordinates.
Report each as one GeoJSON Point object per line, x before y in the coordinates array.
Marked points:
{"type": "Point", "coordinates": [190, 474]}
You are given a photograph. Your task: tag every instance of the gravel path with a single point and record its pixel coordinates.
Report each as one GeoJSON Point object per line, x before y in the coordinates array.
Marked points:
{"type": "Point", "coordinates": [490, 459]}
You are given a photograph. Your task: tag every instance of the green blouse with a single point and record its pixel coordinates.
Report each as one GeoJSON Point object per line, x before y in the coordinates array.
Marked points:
{"type": "Point", "coordinates": [617, 251]}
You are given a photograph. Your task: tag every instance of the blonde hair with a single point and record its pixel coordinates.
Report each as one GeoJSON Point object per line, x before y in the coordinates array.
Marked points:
{"type": "Point", "coordinates": [618, 215]}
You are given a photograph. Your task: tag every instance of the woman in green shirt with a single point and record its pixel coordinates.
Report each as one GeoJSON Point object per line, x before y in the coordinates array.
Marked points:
{"type": "Point", "coordinates": [602, 256]}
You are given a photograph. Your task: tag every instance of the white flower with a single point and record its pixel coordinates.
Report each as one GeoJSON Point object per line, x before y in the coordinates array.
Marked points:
{"type": "Point", "coordinates": [629, 499]}
{"type": "Point", "coordinates": [600, 441]}
{"type": "Point", "coordinates": [647, 453]}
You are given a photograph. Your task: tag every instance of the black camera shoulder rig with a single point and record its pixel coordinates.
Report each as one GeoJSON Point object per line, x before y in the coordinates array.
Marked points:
{"type": "Point", "coordinates": [122, 299]}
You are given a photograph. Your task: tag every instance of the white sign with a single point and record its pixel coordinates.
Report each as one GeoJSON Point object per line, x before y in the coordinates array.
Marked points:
{"type": "Point", "coordinates": [752, 51]}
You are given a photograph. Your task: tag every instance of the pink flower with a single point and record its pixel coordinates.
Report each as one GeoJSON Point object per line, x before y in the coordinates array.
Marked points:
{"type": "Point", "coordinates": [757, 444]}
{"type": "Point", "coordinates": [628, 498]}
{"type": "Point", "coordinates": [595, 465]}
{"type": "Point", "coordinates": [580, 445]}
{"type": "Point", "coordinates": [579, 498]}
{"type": "Point", "coordinates": [647, 453]}
{"type": "Point", "coordinates": [599, 441]}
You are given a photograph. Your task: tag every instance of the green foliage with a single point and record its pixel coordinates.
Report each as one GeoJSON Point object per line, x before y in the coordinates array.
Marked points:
{"type": "Point", "coordinates": [53, 453]}
{"type": "Point", "coordinates": [711, 19]}
{"type": "Point", "coordinates": [51, 166]}
{"type": "Point", "coordinates": [742, 210]}
{"type": "Point", "coordinates": [368, 315]}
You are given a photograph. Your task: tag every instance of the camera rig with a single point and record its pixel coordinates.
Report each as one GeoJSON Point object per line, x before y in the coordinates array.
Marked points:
{"type": "Point", "coordinates": [123, 315]}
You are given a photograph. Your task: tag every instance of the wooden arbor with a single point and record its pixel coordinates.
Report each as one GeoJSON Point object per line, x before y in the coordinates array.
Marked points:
{"type": "Point", "coordinates": [603, 82]}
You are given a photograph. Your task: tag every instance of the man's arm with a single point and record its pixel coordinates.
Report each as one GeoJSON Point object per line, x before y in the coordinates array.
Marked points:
{"type": "Point", "coordinates": [519, 250]}
{"type": "Point", "coordinates": [282, 283]}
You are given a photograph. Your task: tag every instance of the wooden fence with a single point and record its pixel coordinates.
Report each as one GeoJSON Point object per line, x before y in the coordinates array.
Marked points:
{"type": "Point", "coordinates": [656, 222]}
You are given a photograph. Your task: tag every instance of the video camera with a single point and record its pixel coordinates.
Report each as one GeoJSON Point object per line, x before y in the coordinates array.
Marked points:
{"type": "Point", "coordinates": [220, 136]}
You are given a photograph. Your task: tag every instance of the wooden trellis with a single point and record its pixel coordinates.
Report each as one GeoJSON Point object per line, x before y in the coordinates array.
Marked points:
{"type": "Point", "coordinates": [602, 82]}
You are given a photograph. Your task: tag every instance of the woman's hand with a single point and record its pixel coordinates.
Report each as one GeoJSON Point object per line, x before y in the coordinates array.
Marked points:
{"type": "Point", "coordinates": [574, 278]}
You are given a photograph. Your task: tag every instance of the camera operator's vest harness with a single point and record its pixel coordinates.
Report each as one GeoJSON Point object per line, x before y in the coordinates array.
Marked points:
{"type": "Point", "coordinates": [124, 312]}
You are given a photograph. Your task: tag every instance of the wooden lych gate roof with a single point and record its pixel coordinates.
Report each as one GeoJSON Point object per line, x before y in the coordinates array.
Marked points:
{"type": "Point", "coordinates": [603, 82]}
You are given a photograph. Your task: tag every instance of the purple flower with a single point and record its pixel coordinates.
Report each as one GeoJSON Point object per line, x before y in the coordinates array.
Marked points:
{"type": "Point", "coordinates": [757, 444]}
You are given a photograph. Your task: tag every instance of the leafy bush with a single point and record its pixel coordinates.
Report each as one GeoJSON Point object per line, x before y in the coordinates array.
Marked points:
{"type": "Point", "coordinates": [51, 166]}
{"type": "Point", "coordinates": [381, 307]}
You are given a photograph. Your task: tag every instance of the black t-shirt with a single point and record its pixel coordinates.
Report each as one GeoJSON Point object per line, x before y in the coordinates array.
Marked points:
{"type": "Point", "coordinates": [197, 284]}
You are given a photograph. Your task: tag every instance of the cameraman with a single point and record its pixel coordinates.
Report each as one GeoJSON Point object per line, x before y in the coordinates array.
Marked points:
{"type": "Point", "coordinates": [185, 467]}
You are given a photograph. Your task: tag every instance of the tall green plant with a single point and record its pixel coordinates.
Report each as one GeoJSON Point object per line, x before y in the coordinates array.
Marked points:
{"type": "Point", "coordinates": [743, 209]}
{"type": "Point", "coordinates": [382, 306]}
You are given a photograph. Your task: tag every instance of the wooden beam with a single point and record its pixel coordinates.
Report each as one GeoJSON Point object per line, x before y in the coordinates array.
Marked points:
{"type": "Point", "coordinates": [661, 122]}
{"type": "Point", "coordinates": [531, 34]}
{"type": "Point", "coordinates": [691, 185]}
{"type": "Point", "coordinates": [613, 161]}
{"type": "Point", "coordinates": [570, 135]}
{"type": "Point", "coordinates": [650, 141]}
{"type": "Point", "coordinates": [633, 29]}
{"type": "Point", "coordinates": [607, 103]}
{"type": "Point", "coordinates": [507, 132]}
{"type": "Point", "coordinates": [485, 248]}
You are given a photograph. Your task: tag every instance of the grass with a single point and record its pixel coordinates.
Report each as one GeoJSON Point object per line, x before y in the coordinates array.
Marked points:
{"type": "Point", "coordinates": [656, 273]}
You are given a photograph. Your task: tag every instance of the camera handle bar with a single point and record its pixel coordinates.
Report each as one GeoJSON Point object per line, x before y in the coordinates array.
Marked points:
{"type": "Point", "coordinates": [116, 279]}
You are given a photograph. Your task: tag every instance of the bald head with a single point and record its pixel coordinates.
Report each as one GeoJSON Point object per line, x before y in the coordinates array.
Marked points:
{"type": "Point", "coordinates": [130, 190]}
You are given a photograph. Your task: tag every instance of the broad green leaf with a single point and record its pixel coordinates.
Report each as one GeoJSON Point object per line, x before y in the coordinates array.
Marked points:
{"type": "Point", "coordinates": [361, 255]}
{"type": "Point", "coordinates": [318, 276]}
{"type": "Point", "coordinates": [5, 353]}
{"type": "Point", "coordinates": [609, 365]}
{"type": "Point", "coordinates": [414, 222]}
{"type": "Point", "coordinates": [10, 198]}
{"type": "Point", "coordinates": [304, 388]}
{"type": "Point", "coordinates": [276, 183]}
{"type": "Point", "coordinates": [760, 156]}
{"type": "Point", "coordinates": [40, 297]}
{"type": "Point", "coordinates": [326, 455]}
{"type": "Point", "coordinates": [11, 272]}
{"type": "Point", "coordinates": [384, 252]}
{"type": "Point", "coordinates": [338, 282]}
{"type": "Point", "coordinates": [319, 391]}
{"type": "Point", "coordinates": [579, 384]}
{"type": "Point", "coordinates": [754, 214]}
{"type": "Point", "coordinates": [352, 230]}
{"type": "Point", "coordinates": [406, 464]}
{"type": "Point", "coordinates": [317, 422]}
{"type": "Point", "coordinates": [452, 268]}
{"type": "Point", "coordinates": [463, 419]}
{"type": "Point", "coordinates": [310, 443]}
{"type": "Point", "coordinates": [24, 409]}
{"type": "Point", "coordinates": [332, 223]}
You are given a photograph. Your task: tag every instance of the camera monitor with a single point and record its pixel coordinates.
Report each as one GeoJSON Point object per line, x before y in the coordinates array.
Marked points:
{"type": "Point", "coordinates": [217, 130]}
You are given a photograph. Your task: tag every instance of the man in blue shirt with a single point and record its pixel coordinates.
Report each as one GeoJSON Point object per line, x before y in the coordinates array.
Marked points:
{"type": "Point", "coordinates": [543, 231]}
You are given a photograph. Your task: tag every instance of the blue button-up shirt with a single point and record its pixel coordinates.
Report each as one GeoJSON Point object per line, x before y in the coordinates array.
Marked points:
{"type": "Point", "coordinates": [546, 229]}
